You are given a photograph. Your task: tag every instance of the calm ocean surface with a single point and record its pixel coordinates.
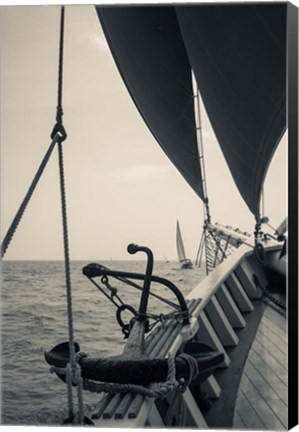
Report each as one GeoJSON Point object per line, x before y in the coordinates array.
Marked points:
{"type": "Point", "coordinates": [34, 320]}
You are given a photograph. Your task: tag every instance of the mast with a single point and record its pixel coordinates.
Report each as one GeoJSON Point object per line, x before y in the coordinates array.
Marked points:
{"type": "Point", "coordinates": [206, 209]}
{"type": "Point", "coordinates": [198, 127]}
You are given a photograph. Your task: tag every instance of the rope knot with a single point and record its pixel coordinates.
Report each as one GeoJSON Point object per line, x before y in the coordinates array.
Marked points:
{"type": "Point", "coordinates": [193, 369]}
{"type": "Point", "coordinates": [73, 373]}
{"type": "Point", "coordinates": [171, 383]}
{"type": "Point", "coordinates": [60, 131]}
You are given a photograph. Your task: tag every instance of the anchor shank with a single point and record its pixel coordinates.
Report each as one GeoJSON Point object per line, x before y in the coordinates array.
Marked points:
{"type": "Point", "coordinates": [134, 347]}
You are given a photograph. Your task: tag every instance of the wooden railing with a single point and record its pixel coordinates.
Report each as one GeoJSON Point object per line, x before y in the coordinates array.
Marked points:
{"type": "Point", "coordinates": [219, 302]}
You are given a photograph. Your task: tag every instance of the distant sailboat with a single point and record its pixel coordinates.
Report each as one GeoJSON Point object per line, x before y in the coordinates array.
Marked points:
{"type": "Point", "coordinates": [185, 262]}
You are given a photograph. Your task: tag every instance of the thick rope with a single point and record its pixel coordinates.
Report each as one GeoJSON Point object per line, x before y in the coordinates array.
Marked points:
{"type": "Point", "coordinates": [59, 113]}
{"type": "Point", "coordinates": [69, 380]}
{"type": "Point", "coordinates": [158, 391]}
{"type": "Point", "coordinates": [193, 368]}
{"type": "Point", "coordinates": [74, 367]}
{"type": "Point", "coordinates": [177, 406]}
{"type": "Point", "coordinates": [66, 253]}
{"type": "Point", "coordinates": [22, 208]}
{"type": "Point", "coordinates": [59, 128]}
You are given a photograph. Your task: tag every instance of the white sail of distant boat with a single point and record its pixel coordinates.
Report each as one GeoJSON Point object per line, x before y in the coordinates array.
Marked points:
{"type": "Point", "coordinates": [185, 262]}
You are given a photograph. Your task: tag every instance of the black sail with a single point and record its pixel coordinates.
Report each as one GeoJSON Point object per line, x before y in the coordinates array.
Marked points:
{"type": "Point", "coordinates": [149, 51]}
{"type": "Point", "coordinates": [238, 54]}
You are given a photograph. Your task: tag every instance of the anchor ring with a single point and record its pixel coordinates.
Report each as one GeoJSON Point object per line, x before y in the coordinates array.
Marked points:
{"type": "Point", "coordinates": [120, 321]}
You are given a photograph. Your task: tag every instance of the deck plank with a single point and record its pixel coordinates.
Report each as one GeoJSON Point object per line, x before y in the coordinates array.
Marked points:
{"type": "Point", "coordinates": [238, 422]}
{"type": "Point", "coordinates": [272, 357]}
{"type": "Point", "coordinates": [276, 318]}
{"type": "Point", "coordinates": [277, 342]}
{"type": "Point", "coordinates": [248, 414]}
{"type": "Point", "coordinates": [271, 344]}
{"type": "Point", "coordinates": [278, 331]}
{"type": "Point", "coordinates": [260, 406]}
{"type": "Point", "coordinates": [276, 380]}
{"type": "Point", "coordinates": [268, 393]}
{"type": "Point", "coordinates": [263, 388]}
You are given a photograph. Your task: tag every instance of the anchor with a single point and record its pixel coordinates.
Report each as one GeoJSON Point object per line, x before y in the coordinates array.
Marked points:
{"type": "Point", "coordinates": [133, 366]}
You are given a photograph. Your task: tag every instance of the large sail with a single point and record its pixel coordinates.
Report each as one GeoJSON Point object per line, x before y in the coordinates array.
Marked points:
{"type": "Point", "coordinates": [238, 54]}
{"type": "Point", "coordinates": [151, 56]}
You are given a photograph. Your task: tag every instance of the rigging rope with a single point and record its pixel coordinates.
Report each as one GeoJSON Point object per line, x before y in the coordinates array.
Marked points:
{"type": "Point", "coordinates": [73, 369]}
{"type": "Point", "coordinates": [12, 229]}
{"type": "Point", "coordinates": [216, 249]}
{"type": "Point", "coordinates": [59, 128]}
{"type": "Point", "coordinates": [58, 135]}
{"type": "Point", "coordinates": [59, 113]}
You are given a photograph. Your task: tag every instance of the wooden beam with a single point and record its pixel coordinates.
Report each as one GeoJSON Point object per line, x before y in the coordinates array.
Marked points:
{"type": "Point", "coordinates": [238, 293]}
{"type": "Point", "coordinates": [220, 323]}
{"type": "Point", "coordinates": [230, 308]}
{"type": "Point", "coordinates": [208, 336]}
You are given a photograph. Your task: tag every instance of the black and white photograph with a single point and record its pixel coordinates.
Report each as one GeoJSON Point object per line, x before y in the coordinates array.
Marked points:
{"type": "Point", "coordinates": [149, 215]}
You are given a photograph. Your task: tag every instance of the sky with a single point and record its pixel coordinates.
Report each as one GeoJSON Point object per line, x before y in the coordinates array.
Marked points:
{"type": "Point", "coordinates": [121, 187]}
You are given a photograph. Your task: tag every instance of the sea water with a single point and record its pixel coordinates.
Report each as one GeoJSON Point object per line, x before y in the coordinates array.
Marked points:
{"type": "Point", "coordinates": [34, 320]}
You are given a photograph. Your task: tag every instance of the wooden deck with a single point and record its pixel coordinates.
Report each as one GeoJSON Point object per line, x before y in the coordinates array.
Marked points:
{"type": "Point", "coordinates": [262, 399]}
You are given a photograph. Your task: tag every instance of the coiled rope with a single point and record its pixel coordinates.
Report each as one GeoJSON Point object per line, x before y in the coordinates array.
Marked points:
{"type": "Point", "coordinates": [157, 391]}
